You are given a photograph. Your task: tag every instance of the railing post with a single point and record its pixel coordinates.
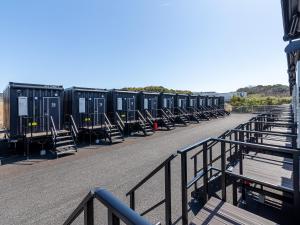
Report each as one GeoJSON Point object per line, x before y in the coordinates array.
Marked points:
{"type": "Point", "coordinates": [89, 212]}
{"type": "Point", "coordinates": [210, 160]}
{"type": "Point", "coordinates": [294, 142]}
{"type": "Point", "coordinates": [132, 200]}
{"type": "Point", "coordinates": [234, 192]}
{"type": "Point", "coordinates": [184, 200]}
{"type": "Point", "coordinates": [296, 183]}
{"type": "Point", "coordinates": [236, 146]}
{"type": "Point", "coordinates": [195, 170]}
{"type": "Point", "coordinates": [223, 168]}
{"type": "Point", "coordinates": [168, 193]}
{"type": "Point", "coordinates": [205, 172]}
{"type": "Point", "coordinates": [112, 218]}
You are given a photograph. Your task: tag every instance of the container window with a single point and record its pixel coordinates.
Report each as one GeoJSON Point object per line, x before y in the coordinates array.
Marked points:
{"type": "Point", "coordinates": [119, 104]}
{"type": "Point", "coordinates": [165, 103]}
{"type": "Point", "coordinates": [81, 105]}
{"type": "Point", "coordinates": [146, 103]}
{"type": "Point", "coordinates": [23, 106]}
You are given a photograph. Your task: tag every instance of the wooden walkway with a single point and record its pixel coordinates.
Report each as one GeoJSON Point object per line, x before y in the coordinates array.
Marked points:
{"type": "Point", "coordinates": [277, 172]}
{"type": "Point", "coordinates": [217, 212]}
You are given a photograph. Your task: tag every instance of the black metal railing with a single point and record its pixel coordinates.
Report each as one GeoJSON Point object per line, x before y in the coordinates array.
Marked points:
{"type": "Point", "coordinates": [239, 146]}
{"type": "Point", "coordinates": [117, 210]}
{"type": "Point", "coordinates": [166, 165]}
{"type": "Point", "coordinates": [30, 125]}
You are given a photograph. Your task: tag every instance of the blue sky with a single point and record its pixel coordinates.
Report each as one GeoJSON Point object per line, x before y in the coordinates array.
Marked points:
{"type": "Point", "coordinates": [200, 45]}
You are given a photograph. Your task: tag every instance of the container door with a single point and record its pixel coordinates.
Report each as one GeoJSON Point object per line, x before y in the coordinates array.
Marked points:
{"type": "Point", "coordinates": [51, 109]}
{"type": "Point", "coordinates": [131, 109]}
{"type": "Point", "coordinates": [183, 103]}
{"type": "Point", "coordinates": [169, 103]}
{"type": "Point", "coordinates": [154, 107]}
{"type": "Point", "coordinates": [99, 110]}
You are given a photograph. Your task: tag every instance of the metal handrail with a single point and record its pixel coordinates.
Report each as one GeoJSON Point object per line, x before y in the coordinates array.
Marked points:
{"type": "Point", "coordinates": [166, 164]}
{"type": "Point", "coordinates": [151, 174]}
{"type": "Point", "coordinates": [207, 166]}
{"type": "Point", "coordinates": [149, 114]}
{"type": "Point", "coordinates": [53, 125]}
{"type": "Point", "coordinates": [117, 210]}
{"type": "Point", "coordinates": [120, 120]}
{"type": "Point", "coordinates": [107, 120]}
{"type": "Point", "coordinates": [141, 116]}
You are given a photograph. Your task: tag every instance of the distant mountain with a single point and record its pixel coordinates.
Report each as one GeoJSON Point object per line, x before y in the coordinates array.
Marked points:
{"type": "Point", "coordinates": [278, 90]}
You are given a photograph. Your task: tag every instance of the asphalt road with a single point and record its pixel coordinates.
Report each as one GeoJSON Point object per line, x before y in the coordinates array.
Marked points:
{"type": "Point", "coordinates": [46, 191]}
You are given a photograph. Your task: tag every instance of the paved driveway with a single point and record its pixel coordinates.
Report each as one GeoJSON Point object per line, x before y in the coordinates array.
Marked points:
{"type": "Point", "coordinates": [46, 192]}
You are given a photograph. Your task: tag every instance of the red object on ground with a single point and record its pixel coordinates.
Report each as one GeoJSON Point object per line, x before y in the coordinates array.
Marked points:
{"type": "Point", "coordinates": [155, 125]}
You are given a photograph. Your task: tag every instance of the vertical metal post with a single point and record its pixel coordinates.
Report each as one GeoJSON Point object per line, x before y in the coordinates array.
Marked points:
{"type": "Point", "coordinates": [112, 218]}
{"type": "Point", "coordinates": [248, 128]}
{"type": "Point", "coordinates": [168, 193]}
{"type": "Point", "coordinates": [89, 213]}
{"type": "Point", "coordinates": [223, 167]}
{"type": "Point", "coordinates": [294, 142]}
{"type": "Point", "coordinates": [210, 160]}
{"type": "Point", "coordinates": [205, 176]}
{"type": "Point", "coordinates": [132, 200]}
{"type": "Point", "coordinates": [195, 170]}
{"type": "Point", "coordinates": [236, 146]}
{"type": "Point", "coordinates": [234, 191]}
{"type": "Point", "coordinates": [230, 146]}
{"type": "Point", "coordinates": [296, 182]}
{"type": "Point", "coordinates": [184, 200]}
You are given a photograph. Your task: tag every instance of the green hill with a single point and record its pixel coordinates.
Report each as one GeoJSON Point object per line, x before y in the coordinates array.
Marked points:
{"type": "Point", "coordinates": [277, 90]}
{"type": "Point", "coordinates": [156, 89]}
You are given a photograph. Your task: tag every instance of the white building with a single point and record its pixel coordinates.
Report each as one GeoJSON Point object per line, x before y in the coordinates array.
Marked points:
{"type": "Point", "coordinates": [227, 95]}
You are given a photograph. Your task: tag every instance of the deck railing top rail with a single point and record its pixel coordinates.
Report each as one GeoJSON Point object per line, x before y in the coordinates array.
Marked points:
{"type": "Point", "coordinates": [117, 210]}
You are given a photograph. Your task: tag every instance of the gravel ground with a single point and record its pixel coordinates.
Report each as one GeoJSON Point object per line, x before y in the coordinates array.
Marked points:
{"type": "Point", "coordinates": [46, 191]}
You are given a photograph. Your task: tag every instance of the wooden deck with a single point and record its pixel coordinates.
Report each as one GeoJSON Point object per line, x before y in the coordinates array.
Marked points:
{"type": "Point", "coordinates": [217, 212]}
{"type": "Point", "coordinates": [277, 172]}
{"type": "Point", "coordinates": [96, 127]}
{"type": "Point", "coordinates": [43, 134]}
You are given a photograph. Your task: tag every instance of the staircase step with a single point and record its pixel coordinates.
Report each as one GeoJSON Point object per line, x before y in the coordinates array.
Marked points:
{"type": "Point", "coordinates": [117, 137]}
{"type": "Point", "coordinates": [64, 142]}
{"type": "Point", "coordinates": [65, 147]}
{"type": "Point", "coordinates": [64, 137]}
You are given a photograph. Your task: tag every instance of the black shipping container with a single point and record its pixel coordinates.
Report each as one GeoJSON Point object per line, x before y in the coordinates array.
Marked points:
{"type": "Point", "coordinates": [124, 103]}
{"type": "Point", "coordinates": [209, 101]}
{"type": "Point", "coordinates": [193, 101]}
{"type": "Point", "coordinates": [148, 101]}
{"type": "Point", "coordinates": [215, 101]}
{"type": "Point", "coordinates": [86, 105]}
{"type": "Point", "coordinates": [222, 102]}
{"type": "Point", "coordinates": [29, 108]}
{"type": "Point", "coordinates": [202, 101]}
{"type": "Point", "coordinates": [181, 101]}
{"type": "Point", "coordinates": [166, 100]}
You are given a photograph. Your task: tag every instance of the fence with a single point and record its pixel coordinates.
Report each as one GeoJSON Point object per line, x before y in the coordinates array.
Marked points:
{"type": "Point", "coordinates": [258, 108]}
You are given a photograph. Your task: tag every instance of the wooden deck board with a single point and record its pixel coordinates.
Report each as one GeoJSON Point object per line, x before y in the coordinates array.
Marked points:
{"type": "Point", "coordinates": [217, 212]}
{"type": "Point", "coordinates": [276, 173]}
{"type": "Point", "coordinates": [43, 134]}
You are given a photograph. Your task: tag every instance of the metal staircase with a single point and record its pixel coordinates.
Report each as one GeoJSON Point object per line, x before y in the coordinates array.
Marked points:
{"type": "Point", "coordinates": [181, 117]}
{"type": "Point", "coordinates": [195, 115]}
{"type": "Point", "coordinates": [144, 124]}
{"type": "Point", "coordinates": [165, 121]}
{"type": "Point", "coordinates": [64, 141]}
{"type": "Point", "coordinates": [113, 132]}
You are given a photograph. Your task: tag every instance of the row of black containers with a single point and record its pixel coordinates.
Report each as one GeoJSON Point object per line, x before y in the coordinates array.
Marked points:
{"type": "Point", "coordinates": [32, 110]}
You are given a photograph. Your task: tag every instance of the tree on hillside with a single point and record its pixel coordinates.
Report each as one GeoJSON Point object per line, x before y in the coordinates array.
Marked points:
{"type": "Point", "coordinates": [157, 89]}
{"type": "Point", "coordinates": [267, 90]}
